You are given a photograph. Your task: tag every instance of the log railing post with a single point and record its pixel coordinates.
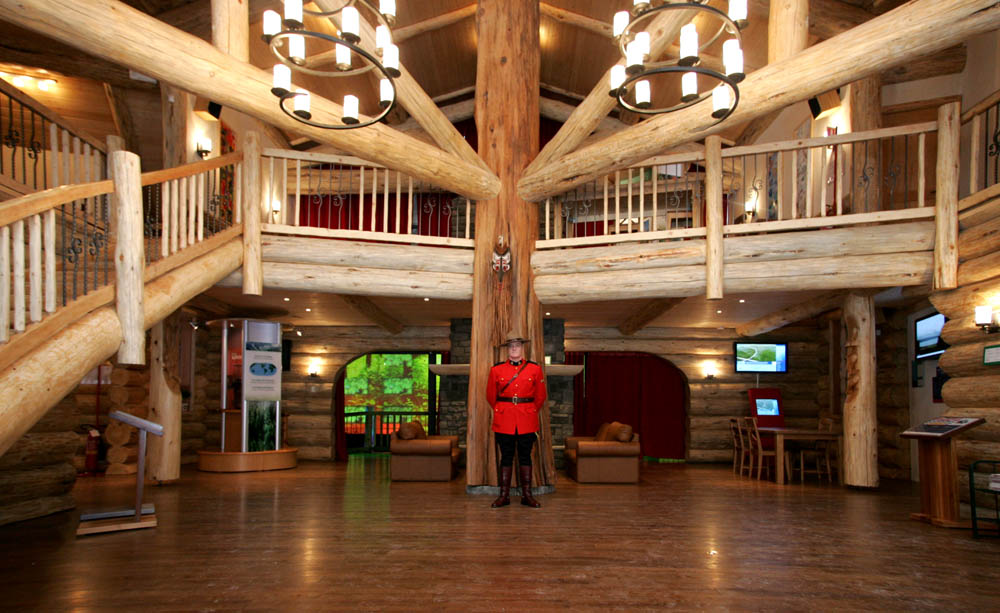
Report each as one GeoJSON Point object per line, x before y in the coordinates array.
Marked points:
{"type": "Point", "coordinates": [164, 453]}
{"type": "Point", "coordinates": [860, 461]}
{"type": "Point", "coordinates": [130, 261]}
{"type": "Point", "coordinates": [253, 273]}
{"type": "Point", "coordinates": [946, 213]}
{"type": "Point", "coordinates": [714, 252]}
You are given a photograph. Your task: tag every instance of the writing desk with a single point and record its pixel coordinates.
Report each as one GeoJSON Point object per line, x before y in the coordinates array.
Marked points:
{"type": "Point", "coordinates": [781, 434]}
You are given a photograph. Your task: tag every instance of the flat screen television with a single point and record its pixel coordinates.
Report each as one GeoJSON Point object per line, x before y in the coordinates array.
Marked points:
{"type": "Point", "coordinates": [760, 357]}
{"type": "Point", "coordinates": [927, 337]}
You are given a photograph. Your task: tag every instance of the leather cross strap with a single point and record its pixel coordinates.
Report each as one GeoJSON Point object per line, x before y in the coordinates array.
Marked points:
{"type": "Point", "coordinates": [502, 389]}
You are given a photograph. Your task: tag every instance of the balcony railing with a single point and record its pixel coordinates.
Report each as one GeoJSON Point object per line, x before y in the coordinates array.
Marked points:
{"type": "Point", "coordinates": [984, 141]}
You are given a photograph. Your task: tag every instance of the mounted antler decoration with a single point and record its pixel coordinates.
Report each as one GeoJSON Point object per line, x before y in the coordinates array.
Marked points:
{"type": "Point", "coordinates": [500, 259]}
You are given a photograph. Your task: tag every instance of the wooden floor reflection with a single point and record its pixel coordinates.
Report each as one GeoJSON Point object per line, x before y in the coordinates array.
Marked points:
{"type": "Point", "coordinates": [342, 537]}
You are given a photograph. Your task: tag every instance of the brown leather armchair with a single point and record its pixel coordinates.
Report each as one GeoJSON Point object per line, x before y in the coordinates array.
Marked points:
{"type": "Point", "coordinates": [610, 456]}
{"type": "Point", "coordinates": [415, 456]}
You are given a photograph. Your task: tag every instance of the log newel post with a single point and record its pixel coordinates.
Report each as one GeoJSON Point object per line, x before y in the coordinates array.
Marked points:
{"type": "Point", "coordinates": [946, 212]}
{"type": "Point", "coordinates": [231, 28]}
{"type": "Point", "coordinates": [163, 456]}
{"type": "Point", "coordinates": [253, 272]}
{"type": "Point", "coordinates": [860, 461]}
{"type": "Point", "coordinates": [714, 251]}
{"type": "Point", "coordinates": [130, 261]}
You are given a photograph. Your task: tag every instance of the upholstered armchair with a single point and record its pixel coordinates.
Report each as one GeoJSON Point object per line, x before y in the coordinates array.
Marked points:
{"type": "Point", "coordinates": [415, 456]}
{"type": "Point", "coordinates": [610, 456]}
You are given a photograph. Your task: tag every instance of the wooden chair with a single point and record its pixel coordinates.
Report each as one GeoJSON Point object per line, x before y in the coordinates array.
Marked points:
{"type": "Point", "coordinates": [739, 450]}
{"type": "Point", "coordinates": [746, 451]}
{"type": "Point", "coordinates": [820, 454]}
{"type": "Point", "coordinates": [758, 450]}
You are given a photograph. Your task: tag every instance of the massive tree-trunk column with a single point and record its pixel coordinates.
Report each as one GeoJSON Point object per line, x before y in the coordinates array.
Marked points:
{"type": "Point", "coordinates": [507, 122]}
{"type": "Point", "coordinates": [860, 461]}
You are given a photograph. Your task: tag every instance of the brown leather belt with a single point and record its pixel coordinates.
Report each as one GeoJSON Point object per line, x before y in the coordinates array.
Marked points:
{"type": "Point", "coordinates": [514, 400]}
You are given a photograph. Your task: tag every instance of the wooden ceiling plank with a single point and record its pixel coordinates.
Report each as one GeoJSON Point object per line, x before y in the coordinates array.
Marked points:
{"type": "Point", "coordinates": [418, 104]}
{"type": "Point", "coordinates": [434, 23]}
{"type": "Point", "coordinates": [646, 314]}
{"type": "Point", "coordinates": [366, 307]}
{"type": "Point", "coordinates": [881, 43]}
{"type": "Point", "coordinates": [110, 29]}
{"type": "Point", "coordinates": [575, 19]}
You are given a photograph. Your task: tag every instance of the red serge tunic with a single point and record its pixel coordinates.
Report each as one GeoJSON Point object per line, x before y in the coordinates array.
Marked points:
{"type": "Point", "coordinates": [512, 414]}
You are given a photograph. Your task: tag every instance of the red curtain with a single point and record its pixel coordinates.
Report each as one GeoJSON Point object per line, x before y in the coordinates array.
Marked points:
{"type": "Point", "coordinates": [345, 213]}
{"type": "Point", "coordinates": [339, 435]}
{"type": "Point", "coordinates": [638, 389]}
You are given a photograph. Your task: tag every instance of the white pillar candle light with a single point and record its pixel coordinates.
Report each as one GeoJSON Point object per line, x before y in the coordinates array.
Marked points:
{"type": "Point", "coordinates": [639, 6]}
{"type": "Point", "coordinates": [350, 22]}
{"type": "Point", "coordinates": [297, 48]}
{"type": "Point", "coordinates": [984, 315]}
{"type": "Point", "coordinates": [382, 38]}
{"type": "Point", "coordinates": [282, 81]}
{"type": "Point", "coordinates": [386, 92]}
{"type": "Point", "coordinates": [689, 86]}
{"type": "Point", "coordinates": [642, 94]}
{"type": "Point", "coordinates": [621, 20]}
{"type": "Point", "coordinates": [343, 57]}
{"type": "Point", "coordinates": [617, 78]}
{"type": "Point", "coordinates": [302, 104]}
{"type": "Point", "coordinates": [388, 10]}
{"type": "Point", "coordinates": [732, 57]}
{"type": "Point", "coordinates": [642, 40]}
{"type": "Point", "coordinates": [689, 45]}
{"type": "Point", "coordinates": [390, 59]}
{"type": "Point", "coordinates": [633, 58]}
{"type": "Point", "coordinates": [350, 109]}
{"type": "Point", "coordinates": [738, 12]}
{"type": "Point", "coordinates": [272, 24]}
{"type": "Point", "coordinates": [293, 13]}
{"type": "Point", "coordinates": [721, 101]}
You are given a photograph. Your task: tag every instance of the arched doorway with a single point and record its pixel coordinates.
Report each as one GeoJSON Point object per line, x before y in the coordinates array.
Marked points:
{"type": "Point", "coordinates": [639, 389]}
{"type": "Point", "coordinates": [376, 392]}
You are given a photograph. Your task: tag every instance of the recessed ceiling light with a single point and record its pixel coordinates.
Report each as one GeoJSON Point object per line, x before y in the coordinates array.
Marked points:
{"type": "Point", "coordinates": [287, 299]}
{"type": "Point", "coordinates": [299, 332]}
{"type": "Point", "coordinates": [718, 311]}
{"type": "Point", "coordinates": [308, 310]}
{"type": "Point", "coordinates": [427, 299]}
{"type": "Point", "coordinates": [742, 301]}
{"type": "Point", "coordinates": [547, 313]}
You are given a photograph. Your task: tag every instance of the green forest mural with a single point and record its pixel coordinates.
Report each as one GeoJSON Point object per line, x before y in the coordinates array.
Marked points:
{"type": "Point", "coordinates": [387, 383]}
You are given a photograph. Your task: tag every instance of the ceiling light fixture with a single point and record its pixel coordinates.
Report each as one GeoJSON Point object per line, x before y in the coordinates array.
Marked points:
{"type": "Point", "coordinates": [347, 43]}
{"type": "Point", "coordinates": [630, 81]}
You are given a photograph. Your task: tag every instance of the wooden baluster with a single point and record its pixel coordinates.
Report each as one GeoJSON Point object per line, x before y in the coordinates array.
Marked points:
{"type": "Point", "coordinates": [165, 219]}
{"type": "Point", "coordinates": [35, 267]}
{"type": "Point", "coordinates": [284, 192]}
{"type": "Point", "coordinates": [50, 225]}
{"type": "Point", "coordinates": [823, 181]}
{"type": "Point", "coordinates": [468, 218]}
{"type": "Point", "coordinates": [4, 284]}
{"type": "Point", "coordinates": [975, 153]}
{"type": "Point", "coordinates": [298, 189]}
{"type": "Point", "coordinates": [548, 203]}
{"type": "Point", "coordinates": [399, 195]}
{"type": "Point", "coordinates": [839, 152]}
{"type": "Point", "coordinates": [409, 206]}
{"type": "Point", "coordinates": [385, 203]}
{"type": "Point", "coordinates": [200, 219]}
{"type": "Point", "coordinates": [782, 159]}
{"type": "Point", "coordinates": [192, 207]}
{"type": "Point", "coordinates": [642, 195]}
{"type": "Point", "coordinates": [629, 201]}
{"type": "Point", "coordinates": [175, 218]}
{"type": "Point", "coordinates": [182, 213]}
{"type": "Point", "coordinates": [374, 197]}
{"type": "Point", "coordinates": [604, 230]}
{"type": "Point", "coordinates": [795, 184]}
{"type": "Point", "coordinates": [238, 200]}
{"type": "Point", "coordinates": [618, 196]}
{"type": "Point", "coordinates": [922, 169]}
{"type": "Point", "coordinates": [18, 245]}
{"type": "Point", "coordinates": [361, 200]}
{"type": "Point", "coordinates": [654, 221]}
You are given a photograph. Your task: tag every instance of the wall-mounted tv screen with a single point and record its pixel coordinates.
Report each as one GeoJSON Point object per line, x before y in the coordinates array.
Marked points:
{"type": "Point", "coordinates": [927, 337]}
{"type": "Point", "coordinates": [760, 357]}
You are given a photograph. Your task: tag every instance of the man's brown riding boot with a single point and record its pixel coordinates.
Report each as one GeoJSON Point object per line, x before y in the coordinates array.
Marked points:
{"type": "Point", "coordinates": [526, 498]}
{"type": "Point", "coordinates": [504, 498]}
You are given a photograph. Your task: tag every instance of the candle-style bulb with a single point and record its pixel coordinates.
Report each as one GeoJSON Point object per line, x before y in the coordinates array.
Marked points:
{"type": "Point", "coordinates": [689, 45]}
{"type": "Point", "coordinates": [281, 83]}
{"type": "Point", "coordinates": [350, 22]}
{"type": "Point", "coordinates": [350, 109]}
{"type": "Point", "coordinates": [302, 104]}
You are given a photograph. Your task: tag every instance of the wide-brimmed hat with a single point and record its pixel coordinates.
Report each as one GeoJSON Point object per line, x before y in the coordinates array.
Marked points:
{"type": "Point", "coordinates": [514, 336]}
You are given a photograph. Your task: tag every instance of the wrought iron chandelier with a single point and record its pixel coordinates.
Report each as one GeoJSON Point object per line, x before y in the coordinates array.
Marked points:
{"type": "Point", "coordinates": [292, 55]}
{"type": "Point", "coordinates": [630, 81]}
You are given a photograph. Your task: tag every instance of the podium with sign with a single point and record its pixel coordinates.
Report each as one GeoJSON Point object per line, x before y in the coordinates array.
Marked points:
{"type": "Point", "coordinates": [251, 400]}
{"type": "Point", "coordinates": [939, 469]}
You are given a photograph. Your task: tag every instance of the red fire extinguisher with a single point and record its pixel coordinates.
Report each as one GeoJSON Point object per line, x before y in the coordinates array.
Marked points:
{"type": "Point", "coordinates": [93, 443]}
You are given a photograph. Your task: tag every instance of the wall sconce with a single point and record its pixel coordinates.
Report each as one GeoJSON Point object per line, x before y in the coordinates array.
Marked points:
{"type": "Point", "coordinates": [710, 372]}
{"type": "Point", "coordinates": [204, 147]}
{"type": "Point", "coordinates": [314, 368]}
{"type": "Point", "coordinates": [987, 319]}
{"type": "Point", "coordinates": [275, 208]}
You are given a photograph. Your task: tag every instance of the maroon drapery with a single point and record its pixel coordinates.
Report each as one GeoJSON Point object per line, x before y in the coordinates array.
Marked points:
{"type": "Point", "coordinates": [350, 213]}
{"type": "Point", "coordinates": [338, 417]}
{"type": "Point", "coordinates": [638, 389]}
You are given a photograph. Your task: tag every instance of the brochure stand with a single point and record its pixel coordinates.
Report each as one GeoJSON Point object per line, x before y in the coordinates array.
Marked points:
{"type": "Point", "coordinates": [939, 469]}
{"type": "Point", "coordinates": [143, 516]}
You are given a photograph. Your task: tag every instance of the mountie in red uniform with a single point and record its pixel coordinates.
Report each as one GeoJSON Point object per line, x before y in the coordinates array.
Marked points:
{"type": "Point", "coordinates": [516, 390]}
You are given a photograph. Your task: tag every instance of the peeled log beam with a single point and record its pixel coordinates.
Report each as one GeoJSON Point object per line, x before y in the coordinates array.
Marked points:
{"type": "Point", "coordinates": [115, 31]}
{"type": "Point", "coordinates": [53, 480]}
{"type": "Point", "coordinates": [38, 507]}
{"type": "Point", "coordinates": [979, 208]}
{"type": "Point", "coordinates": [967, 360]}
{"type": "Point", "coordinates": [362, 281]}
{"type": "Point", "coordinates": [860, 423]}
{"type": "Point", "coordinates": [305, 250]}
{"type": "Point", "coordinates": [958, 303]}
{"type": "Point", "coordinates": [979, 240]}
{"type": "Point", "coordinates": [962, 330]}
{"type": "Point", "coordinates": [961, 392]}
{"type": "Point", "coordinates": [42, 378]}
{"type": "Point", "coordinates": [791, 314]}
{"type": "Point", "coordinates": [946, 204]}
{"type": "Point", "coordinates": [40, 449]}
{"type": "Point", "coordinates": [793, 275]}
{"type": "Point", "coordinates": [373, 313]}
{"type": "Point", "coordinates": [889, 40]}
{"type": "Point", "coordinates": [646, 314]}
{"type": "Point", "coordinates": [979, 269]}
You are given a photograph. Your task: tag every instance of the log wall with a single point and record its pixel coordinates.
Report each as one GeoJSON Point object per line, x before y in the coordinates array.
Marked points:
{"type": "Point", "coordinates": [804, 388]}
{"type": "Point", "coordinates": [974, 388]}
{"type": "Point", "coordinates": [892, 389]}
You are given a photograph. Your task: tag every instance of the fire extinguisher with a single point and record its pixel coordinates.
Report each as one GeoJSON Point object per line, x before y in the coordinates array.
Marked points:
{"type": "Point", "coordinates": [93, 443]}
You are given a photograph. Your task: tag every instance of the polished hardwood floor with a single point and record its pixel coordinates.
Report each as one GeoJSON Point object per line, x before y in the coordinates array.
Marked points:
{"type": "Point", "coordinates": [342, 537]}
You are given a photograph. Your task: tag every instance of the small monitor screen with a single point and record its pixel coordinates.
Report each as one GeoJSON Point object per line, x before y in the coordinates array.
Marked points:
{"type": "Point", "coordinates": [761, 357]}
{"type": "Point", "coordinates": [767, 406]}
{"type": "Point", "coordinates": [927, 336]}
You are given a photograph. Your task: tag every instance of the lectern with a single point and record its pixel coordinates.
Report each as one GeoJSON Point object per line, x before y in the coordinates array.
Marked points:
{"type": "Point", "coordinates": [939, 469]}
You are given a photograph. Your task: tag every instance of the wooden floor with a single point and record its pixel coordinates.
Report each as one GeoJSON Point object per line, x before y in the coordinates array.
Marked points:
{"type": "Point", "coordinates": [342, 537]}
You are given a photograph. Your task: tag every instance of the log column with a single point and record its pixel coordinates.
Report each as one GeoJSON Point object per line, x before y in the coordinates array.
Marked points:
{"type": "Point", "coordinates": [231, 28]}
{"type": "Point", "coordinates": [714, 250]}
{"type": "Point", "coordinates": [507, 75]}
{"type": "Point", "coordinates": [253, 271]}
{"type": "Point", "coordinates": [946, 215]}
{"type": "Point", "coordinates": [130, 261]}
{"type": "Point", "coordinates": [163, 454]}
{"type": "Point", "coordinates": [860, 423]}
